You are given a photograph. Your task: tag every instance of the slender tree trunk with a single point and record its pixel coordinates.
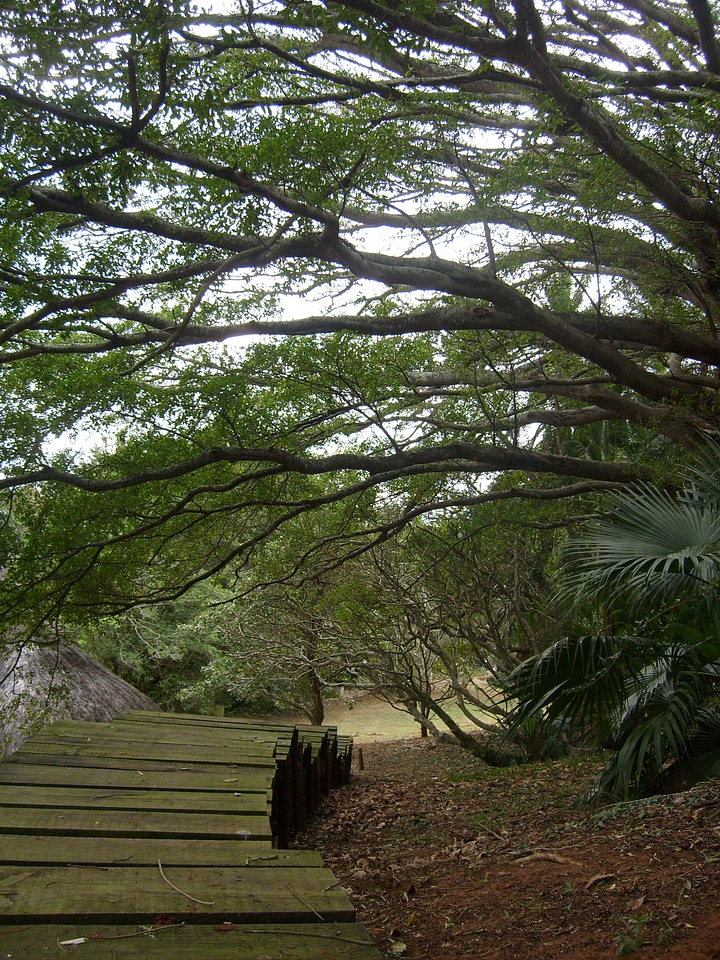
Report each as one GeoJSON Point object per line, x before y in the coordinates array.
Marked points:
{"type": "Point", "coordinates": [425, 712]}
{"type": "Point", "coordinates": [317, 705]}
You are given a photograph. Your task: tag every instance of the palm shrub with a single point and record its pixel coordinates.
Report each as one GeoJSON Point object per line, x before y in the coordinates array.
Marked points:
{"type": "Point", "coordinates": [647, 687]}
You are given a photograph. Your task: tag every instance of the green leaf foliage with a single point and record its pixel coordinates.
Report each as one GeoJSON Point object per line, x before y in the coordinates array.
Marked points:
{"type": "Point", "coordinates": [651, 698]}
{"type": "Point", "coordinates": [257, 261]}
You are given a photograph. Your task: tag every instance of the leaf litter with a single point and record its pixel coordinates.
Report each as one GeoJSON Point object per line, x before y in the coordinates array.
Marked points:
{"type": "Point", "coordinates": [451, 858]}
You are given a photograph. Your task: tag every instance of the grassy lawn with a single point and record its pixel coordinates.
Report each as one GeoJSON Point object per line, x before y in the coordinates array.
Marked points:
{"type": "Point", "coordinates": [369, 720]}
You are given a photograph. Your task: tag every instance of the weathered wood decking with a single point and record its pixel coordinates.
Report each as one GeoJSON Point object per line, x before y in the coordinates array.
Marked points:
{"type": "Point", "coordinates": [164, 836]}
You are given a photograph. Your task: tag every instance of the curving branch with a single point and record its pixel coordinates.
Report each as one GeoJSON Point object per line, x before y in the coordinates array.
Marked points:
{"type": "Point", "coordinates": [703, 14]}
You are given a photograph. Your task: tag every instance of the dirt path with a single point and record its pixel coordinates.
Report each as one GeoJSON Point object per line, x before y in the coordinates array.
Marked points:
{"type": "Point", "coordinates": [447, 858]}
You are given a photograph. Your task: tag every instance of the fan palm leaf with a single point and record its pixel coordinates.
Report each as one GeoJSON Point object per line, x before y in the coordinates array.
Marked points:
{"type": "Point", "coordinates": [584, 680]}
{"type": "Point", "coordinates": [670, 718]}
{"type": "Point", "coordinates": [649, 546]}
{"type": "Point", "coordinates": [703, 475]}
{"type": "Point", "coordinates": [652, 698]}
{"type": "Point", "coordinates": [703, 752]}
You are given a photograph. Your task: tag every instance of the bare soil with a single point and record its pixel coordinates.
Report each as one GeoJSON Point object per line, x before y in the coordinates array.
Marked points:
{"type": "Point", "coordinates": [445, 857]}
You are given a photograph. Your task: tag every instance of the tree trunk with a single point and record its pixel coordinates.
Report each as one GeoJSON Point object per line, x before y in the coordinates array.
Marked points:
{"type": "Point", "coordinates": [317, 705]}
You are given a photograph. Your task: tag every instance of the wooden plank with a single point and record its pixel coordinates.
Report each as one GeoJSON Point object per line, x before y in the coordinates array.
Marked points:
{"type": "Point", "coordinates": [151, 716]}
{"type": "Point", "coordinates": [134, 823]}
{"type": "Point", "coordinates": [334, 752]}
{"type": "Point", "coordinates": [265, 894]}
{"type": "Point", "coordinates": [339, 746]}
{"type": "Point", "coordinates": [142, 750]}
{"type": "Point", "coordinates": [253, 781]}
{"type": "Point", "coordinates": [147, 745]}
{"type": "Point", "coordinates": [249, 740]}
{"type": "Point", "coordinates": [20, 848]}
{"type": "Point", "coordinates": [93, 798]}
{"type": "Point", "coordinates": [240, 726]}
{"type": "Point", "coordinates": [307, 941]}
{"type": "Point", "coordinates": [87, 811]}
{"type": "Point", "coordinates": [141, 763]}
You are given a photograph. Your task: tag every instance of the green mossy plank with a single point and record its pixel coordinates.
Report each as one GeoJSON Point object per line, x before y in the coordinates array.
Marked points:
{"type": "Point", "coordinates": [308, 941]}
{"type": "Point", "coordinates": [143, 764]}
{"type": "Point", "coordinates": [240, 723]}
{"type": "Point", "coordinates": [224, 749]}
{"type": "Point", "coordinates": [108, 798]}
{"type": "Point", "coordinates": [264, 894]}
{"type": "Point", "coordinates": [314, 736]}
{"type": "Point", "coordinates": [143, 750]}
{"type": "Point", "coordinates": [18, 849]}
{"type": "Point", "coordinates": [130, 823]}
{"type": "Point", "coordinates": [310, 734]}
{"type": "Point", "coordinates": [261, 731]}
{"type": "Point", "coordinates": [246, 779]}
{"type": "Point", "coordinates": [155, 733]}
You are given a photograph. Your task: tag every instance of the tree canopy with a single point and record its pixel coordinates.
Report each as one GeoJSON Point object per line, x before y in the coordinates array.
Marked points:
{"type": "Point", "coordinates": [259, 259]}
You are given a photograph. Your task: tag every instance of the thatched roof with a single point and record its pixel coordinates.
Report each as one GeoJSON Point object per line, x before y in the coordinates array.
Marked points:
{"type": "Point", "coordinates": [40, 684]}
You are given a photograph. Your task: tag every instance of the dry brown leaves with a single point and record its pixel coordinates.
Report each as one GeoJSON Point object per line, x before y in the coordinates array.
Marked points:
{"type": "Point", "coordinates": [446, 858]}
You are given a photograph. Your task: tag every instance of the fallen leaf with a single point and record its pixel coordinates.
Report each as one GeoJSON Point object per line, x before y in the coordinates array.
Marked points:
{"type": "Point", "coordinates": [599, 878]}
{"type": "Point", "coordinates": [397, 948]}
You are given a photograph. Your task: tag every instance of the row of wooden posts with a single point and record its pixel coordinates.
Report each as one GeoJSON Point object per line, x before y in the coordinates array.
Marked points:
{"type": "Point", "coordinates": [166, 836]}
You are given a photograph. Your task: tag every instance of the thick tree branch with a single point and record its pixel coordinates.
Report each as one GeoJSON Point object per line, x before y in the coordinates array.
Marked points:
{"type": "Point", "coordinates": [457, 457]}
{"type": "Point", "coordinates": [703, 14]}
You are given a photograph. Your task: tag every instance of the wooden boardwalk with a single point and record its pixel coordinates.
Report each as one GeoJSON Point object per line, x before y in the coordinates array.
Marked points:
{"type": "Point", "coordinates": [164, 836]}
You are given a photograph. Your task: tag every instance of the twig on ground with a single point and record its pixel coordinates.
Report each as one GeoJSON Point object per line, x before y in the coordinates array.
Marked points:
{"type": "Point", "coordinates": [490, 830]}
{"type": "Point", "coordinates": [541, 855]}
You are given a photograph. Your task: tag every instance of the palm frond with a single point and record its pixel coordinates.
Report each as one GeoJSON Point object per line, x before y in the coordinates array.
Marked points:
{"type": "Point", "coordinates": [707, 732]}
{"type": "Point", "coordinates": [703, 474]}
{"type": "Point", "coordinates": [650, 681]}
{"type": "Point", "coordinates": [649, 545]}
{"type": "Point", "coordinates": [702, 759]}
{"type": "Point", "coordinates": [654, 558]}
{"type": "Point", "coordinates": [583, 680]}
{"type": "Point", "coordinates": [663, 735]}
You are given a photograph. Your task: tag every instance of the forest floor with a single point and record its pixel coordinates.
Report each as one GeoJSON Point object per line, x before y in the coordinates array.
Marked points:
{"type": "Point", "coordinates": [445, 857]}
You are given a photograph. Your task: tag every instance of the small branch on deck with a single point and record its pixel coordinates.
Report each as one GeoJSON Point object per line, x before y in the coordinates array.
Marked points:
{"type": "Point", "coordinates": [207, 903]}
{"type": "Point", "coordinates": [16, 878]}
{"type": "Point", "coordinates": [145, 932]}
{"type": "Point", "coordinates": [302, 933]}
{"type": "Point", "coordinates": [305, 903]}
